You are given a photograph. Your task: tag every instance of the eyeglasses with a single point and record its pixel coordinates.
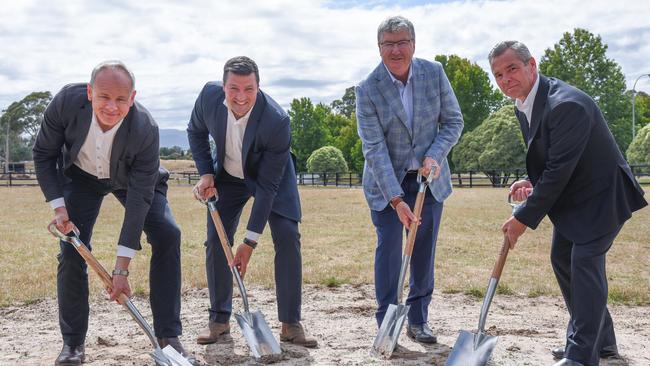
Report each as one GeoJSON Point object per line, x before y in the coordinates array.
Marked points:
{"type": "Point", "coordinates": [399, 44]}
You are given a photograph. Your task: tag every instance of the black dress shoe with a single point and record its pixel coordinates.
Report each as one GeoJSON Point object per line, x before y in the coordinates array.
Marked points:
{"type": "Point", "coordinates": [176, 344]}
{"type": "Point", "coordinates": [421, 333]}
{"type": "Point", "coordinates": [71, 355]}
{"type": "Point", "coordinates": [567, 362]}
{"type": "Point", "coordinates": [608, 353]}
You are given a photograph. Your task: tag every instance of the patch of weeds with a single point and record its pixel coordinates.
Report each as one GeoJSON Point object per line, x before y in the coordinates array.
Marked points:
{"type": "Point", "coordinates": [537, 292]}
{"type": "Point", "coordinates": [475, 292]}
{"type": "Point", "coordinates": [451, 291]}
{"type": "Point", "coordinates": [334, 282]}
{"type": "Point", "coordinates": [504, 290]}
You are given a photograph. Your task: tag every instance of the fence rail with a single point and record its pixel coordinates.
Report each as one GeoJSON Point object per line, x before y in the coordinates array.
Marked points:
{"type": "Point", "coordinates": [469, 179]}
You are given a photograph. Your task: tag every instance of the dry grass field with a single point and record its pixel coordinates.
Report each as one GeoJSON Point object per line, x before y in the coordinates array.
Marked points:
{"type": "Point", "coordinates": [338, 245]}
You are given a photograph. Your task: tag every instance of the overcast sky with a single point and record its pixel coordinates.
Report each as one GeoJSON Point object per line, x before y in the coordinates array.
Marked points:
{"type": "Point", "coordinates": [306, 48]}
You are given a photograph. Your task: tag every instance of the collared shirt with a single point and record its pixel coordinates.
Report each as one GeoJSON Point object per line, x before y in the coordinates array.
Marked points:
{"type": "Point", "coordinates": [526, 106]}
{"type": "Point", "coordinates": [232, 161]}
{"type": "Point", "coordinates": [95, 158]}
{"type": "Point", "coordinates": [235, 129]}
{"type": "Point", "coordinates": [406, 95]}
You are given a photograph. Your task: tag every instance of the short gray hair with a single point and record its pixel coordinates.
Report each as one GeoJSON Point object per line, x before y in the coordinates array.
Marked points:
{"type": "Point", "coordinates": [112, 65]}
{"type": "Point", "coordinates": [395, 24]}
{"type": "Point", "coordinates": [522, 52]}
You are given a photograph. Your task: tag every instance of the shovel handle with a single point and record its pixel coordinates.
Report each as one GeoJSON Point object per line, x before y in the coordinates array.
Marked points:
{"type": "Point", "coordinates": [417, 211]}
{"type": "Point", "coordinates": [501, 260]}
{"type": "Point", "coordinates": [221, 231]}
{"type": "Point", "coordinates": [89, 258]}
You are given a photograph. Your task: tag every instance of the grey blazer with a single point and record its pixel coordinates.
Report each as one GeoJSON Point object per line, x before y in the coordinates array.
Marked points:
{"type": "Point", "coordinates": [387, 139]}
{"type": "Point", "coordinates": [135, 164]}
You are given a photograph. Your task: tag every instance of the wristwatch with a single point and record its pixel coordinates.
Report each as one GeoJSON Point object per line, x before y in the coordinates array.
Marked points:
{"type": "Point", "coordinates": [250, 243]}
{"type": "Point", "coordinates": [121, 272]}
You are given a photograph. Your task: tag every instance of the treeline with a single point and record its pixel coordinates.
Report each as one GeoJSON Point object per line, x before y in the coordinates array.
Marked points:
{"type": "Point", "coordinates": [490, 139]}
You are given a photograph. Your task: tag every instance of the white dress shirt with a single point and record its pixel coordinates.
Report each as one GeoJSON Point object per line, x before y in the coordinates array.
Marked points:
{"type": "Point", "coordinates": [526, 106]}
{"type": "Point", "coordinates": [406, 95]}
{"type": "Point", "coordinates": [95, 158]}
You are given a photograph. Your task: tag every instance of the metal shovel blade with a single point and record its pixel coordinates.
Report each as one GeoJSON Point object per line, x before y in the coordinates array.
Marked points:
{"type": "Point", "coordinates": [389, 331]}
{"type": "Point", "coordinates": [173, 357]}
{"type": "Point", "coordinates": [471, 349]}
{"type": "Point", "coordinates": [258, 335]}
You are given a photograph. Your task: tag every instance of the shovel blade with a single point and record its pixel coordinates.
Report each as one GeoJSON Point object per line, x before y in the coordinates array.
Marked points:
{"type": "Point", "coordinates": [172, 357]}
{"type": "Point", "coordinates": [258, 336]}
{"type": "Point", "coordinates": [471, 349]}
{"type": "Point", "coordinates": [389, 331]}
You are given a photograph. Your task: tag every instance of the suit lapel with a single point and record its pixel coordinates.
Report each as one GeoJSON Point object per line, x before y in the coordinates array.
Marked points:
{"type": "Point", "coordinates": [538, 107]}
{"type": "Point", "coordinates": [389, 91]}
{"type": "Point", "coordinates": [251, 126]}
{"type": "Point", "coordinates": [523, 123]}
{"type": "Point", "coordinates": [84, 117]}
{"type": "Point", "coordinates": [419, 95]}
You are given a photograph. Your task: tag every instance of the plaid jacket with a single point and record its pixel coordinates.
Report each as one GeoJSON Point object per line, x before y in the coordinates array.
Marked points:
{"type": "Point", "coordinates": [387, 140]}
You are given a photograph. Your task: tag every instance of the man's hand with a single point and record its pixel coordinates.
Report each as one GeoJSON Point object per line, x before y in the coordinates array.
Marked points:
{"type": "Point", "coordinates": [520, 190]}
{"type": "Point", "coordinates": [428, 164]}
{"type": "Point", "coordinates": [513, 229]}
{"type": "Point", "coordinates": [62, 221]}
{"type": "Point", "coordinates": [405, 215]}
{"type": "Point", "coordinates": [242, 257]}
{"type": "Point", "coordinates": [120, 283]}
{"type": "Point", "coordinates": [204, 188]}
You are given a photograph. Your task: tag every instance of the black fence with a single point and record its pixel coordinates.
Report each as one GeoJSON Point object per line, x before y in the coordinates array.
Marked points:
{"type": "Point", "coordinates": [468, 179]}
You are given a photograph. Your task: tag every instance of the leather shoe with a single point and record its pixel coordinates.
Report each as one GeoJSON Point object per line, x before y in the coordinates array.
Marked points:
{"type": "Point", "coordinates": [176, 344]}
{"type": "Point", "coordinates": [567, 362]}
{"type": "Point", "coordinates": [71, 355]}
{"type": "Point", "coordinates": [212, 334]}
{"type": "Point", "coordinates": [421, 333]}
{"type": "Point", "coordinates": [607, 352]}
{"type": "Point", "coordinates": [295, 333]}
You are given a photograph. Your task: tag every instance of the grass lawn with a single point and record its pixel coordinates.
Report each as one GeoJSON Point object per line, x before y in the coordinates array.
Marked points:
{"type": "Point", "coordinates": [337, 244]}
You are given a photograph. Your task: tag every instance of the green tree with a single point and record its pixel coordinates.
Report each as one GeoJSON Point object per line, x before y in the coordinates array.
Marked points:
{"type": "Point", "coordinates": [347, 104]}
{"type": "Point", "coordinates": [24, 120]}
{"type": "Point", "coordinates": [476, 95]}
{"type": "Point", "coordinates": [639, 150]}
{"type": "Point", "coordinates": [308, 131]}
{"type": "Point", "coordinates": [580, 59]}
{"type": "Point", "coordinates": [327, 159]}
{"type": "Point", "coordinates": [495, 147]}
{"type": "Point", "coordinates": [642, 110]}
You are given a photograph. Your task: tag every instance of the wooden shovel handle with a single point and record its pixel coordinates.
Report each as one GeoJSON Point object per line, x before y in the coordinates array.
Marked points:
{"type": "Point", "coordinates": [410, 239]}
{"type": "Point", "coordinates": [221, 231]}
{"type": "Point", "coordinates": [99, 269]}
{"type": "Point", "coordinates": [501, 260]}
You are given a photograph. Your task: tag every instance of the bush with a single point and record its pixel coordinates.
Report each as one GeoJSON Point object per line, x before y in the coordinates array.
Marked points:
{"type": "Point", "coordinates": [639, 150]}
{"type": "Point", "coordinates": [327, 159]}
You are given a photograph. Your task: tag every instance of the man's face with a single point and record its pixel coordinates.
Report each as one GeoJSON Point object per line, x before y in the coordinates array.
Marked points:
{"type": "Point", "coordinates": [396, 50]}
{"type": "Point", "coordinates": [241, 93]}
{"type": "Point", "coordinates": [111, 97]}
{"type": "Point", "coordinates": [514, 77]}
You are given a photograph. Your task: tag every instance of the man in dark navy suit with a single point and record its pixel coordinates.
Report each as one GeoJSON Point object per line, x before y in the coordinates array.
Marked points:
{"type": "Point", "coordinates": [252, 138]}
{"type": "Point", "coordinates": [579, 178]}
{"type": "Point", "coordinates": [96, 139]}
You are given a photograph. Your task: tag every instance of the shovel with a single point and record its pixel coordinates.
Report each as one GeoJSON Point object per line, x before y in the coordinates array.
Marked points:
{"type": "Point", "coordinates": [163, 357]}
{"type": "Point", "coordinates": [253, 325]}
{"type": "Point", "coordinates": [475, 349]}
{"type": "Point", "coordinates": [393, 322]}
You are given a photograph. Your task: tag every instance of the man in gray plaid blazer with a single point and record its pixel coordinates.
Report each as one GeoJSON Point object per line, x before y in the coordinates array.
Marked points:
{"type": "Point", "coordinates": [408, 119]}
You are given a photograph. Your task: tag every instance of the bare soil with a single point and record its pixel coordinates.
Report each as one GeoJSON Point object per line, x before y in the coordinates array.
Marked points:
{"type": "Point", "coordinates": [341, 318]}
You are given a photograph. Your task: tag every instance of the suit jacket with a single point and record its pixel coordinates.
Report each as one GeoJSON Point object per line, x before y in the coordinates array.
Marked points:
{"type": "Point", "coordinates": [269, 171]}
{"type": "Point", "coordinates": [135, 164]}
{"type": "Point", "coordinates": [387, 139]}
{"type": "Point", "coordinates": [581, 180]}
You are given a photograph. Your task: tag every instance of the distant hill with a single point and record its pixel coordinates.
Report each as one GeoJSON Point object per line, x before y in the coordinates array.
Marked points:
{"type": "Point", "coordinates": [170, 137]}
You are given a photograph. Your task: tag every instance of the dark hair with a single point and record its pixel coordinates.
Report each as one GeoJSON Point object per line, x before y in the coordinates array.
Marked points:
{"type": "Point", "coordinates": [112, 65]}
{"type": "Point", "coordinates": [395, 24]}
{"type": "Point", "coordinates": [241, 65]}
{"type": "Point", "coordinates": [520, 49]}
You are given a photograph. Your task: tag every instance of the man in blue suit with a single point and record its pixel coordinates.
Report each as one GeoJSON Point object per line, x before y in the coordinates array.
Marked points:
{"type": "Point", "coordinates": [579, 178]}
{"type": "Point", "coordinates": [252, 138]}
{"type": "Point", "coordinates": [408, 119]}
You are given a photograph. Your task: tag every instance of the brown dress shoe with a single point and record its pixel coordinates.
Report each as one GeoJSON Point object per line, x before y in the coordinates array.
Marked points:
{"type": "Point", "coordinates": [71, 355]}
{"type": "Point", "coordinates": [176, 344]}
{"type": "Point", "coordinates": [294, 333]}
{"type": "Point", "coordinates": [212, 334]}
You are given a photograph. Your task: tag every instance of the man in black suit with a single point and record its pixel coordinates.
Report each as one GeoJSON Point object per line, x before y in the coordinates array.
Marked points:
{"type": "Point", "coordinates": [579, 178]}
{"type": "Point", "coordinates": [252, 138]}
{"type": "Point", "coordinates": [96, 139]}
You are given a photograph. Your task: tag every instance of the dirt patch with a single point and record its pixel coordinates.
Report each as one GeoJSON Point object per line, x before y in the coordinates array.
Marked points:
{"type": "Point", "coordinates": [341, 318]}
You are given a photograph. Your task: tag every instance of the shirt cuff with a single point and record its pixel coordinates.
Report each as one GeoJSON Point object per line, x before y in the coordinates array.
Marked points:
{"type": "Point", "coordinates": [251, 235]}
{"type": "Point", "coordinates": [57, 202]}
{"type": "Point", "coordinates": [123, 251]}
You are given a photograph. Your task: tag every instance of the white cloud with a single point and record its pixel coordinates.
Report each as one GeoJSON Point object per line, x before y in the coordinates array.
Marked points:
{"type": "Point", "coordinates": [304, 49]}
